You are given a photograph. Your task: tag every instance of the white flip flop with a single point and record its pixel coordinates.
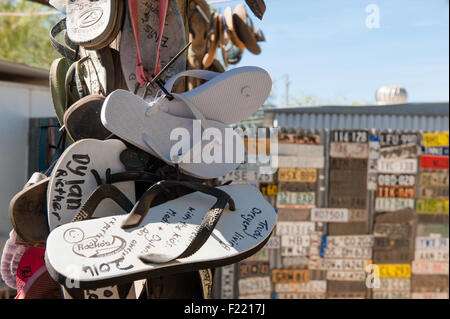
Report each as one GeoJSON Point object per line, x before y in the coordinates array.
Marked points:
{"type": "Point", "coordinates": [72, 181]}
{"type": "Point", "coordinates": [149, 127]}
{"type": "Point", "coordinates": [171, 237]}
{"type": "Point", "coordinates": [172, 41]}
{"type": "Point", "coordinates": [228, 97]}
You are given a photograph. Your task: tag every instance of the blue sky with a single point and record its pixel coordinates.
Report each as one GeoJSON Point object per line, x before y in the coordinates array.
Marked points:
{"type": "Point", "coordinates": [329, 53]}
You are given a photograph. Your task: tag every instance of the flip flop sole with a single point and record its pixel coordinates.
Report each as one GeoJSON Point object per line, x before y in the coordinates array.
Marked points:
{"type": "Point", "coordinates": [173, 40]}
{"type": "Point", "coordinates": [100, 252]}
{"type": "Point", "coordinates": [28, 213]}
{"type": "Point", "coordinates": [82, 119]}
{"type": "Point", "coordinates": [72, 182]}
{"type": "Point", "coordinates": [230, 97]}
{"type": "Point", "coordinates": [153, 134]}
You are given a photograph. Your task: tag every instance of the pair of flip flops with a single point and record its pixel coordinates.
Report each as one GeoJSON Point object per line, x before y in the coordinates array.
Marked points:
{"type": "Point", "coordinates": [226, 98]}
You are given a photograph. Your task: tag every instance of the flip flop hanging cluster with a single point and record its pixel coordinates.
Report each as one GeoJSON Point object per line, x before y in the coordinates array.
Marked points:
{"type": "Point", "coordinates": [117, 206]}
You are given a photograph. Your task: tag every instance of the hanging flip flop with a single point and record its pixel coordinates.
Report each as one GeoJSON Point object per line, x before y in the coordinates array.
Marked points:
{"type": "Point", "coordinates": [152, 128]}
{"type": "Point", "coordinates": [98, 71]}
{"type": "Point", "coordinates": [40, 286]}
{"type": "Point", "coordinates": [72, 181]}
{"type": "Point", "coordinates": [214, 42]}
{"type": "Point", "coordinates": [94, 24]}
{"type": "Point", "coordinates": [171, 237]}
{"type": "Point", "coordinates": [11, 255]}
{"type": "Point", "coordinates": [152, 34]}
{"type": "Point", "coordinates": [31, 261]}
{"type": "Point", "coordinates": [258, 7]}
{"type": "Point", "coordinates": [28, 210]}
{"type": "Point", "coordinates": [67, 50]}
{"type": "Point", "coordinates": [231, 29]}
{"type": "Point", "coordinates": [243, 30]}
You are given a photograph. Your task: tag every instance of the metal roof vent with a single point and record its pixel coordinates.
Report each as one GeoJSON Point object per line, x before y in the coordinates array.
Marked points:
{"type": "Point", "coordinates": [391, 94]}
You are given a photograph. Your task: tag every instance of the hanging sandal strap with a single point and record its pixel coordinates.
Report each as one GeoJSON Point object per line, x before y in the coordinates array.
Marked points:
{"type": "Point", "coordinates": [200, 74]}
{"type": "Point", "coordinates": [206, 228]}
{"type": "Point", "coordinates": [141, 75]}
{"type": "Point", "coordinates": [102, 192]}
{"type": "Point", "coordinates": [68, 52]}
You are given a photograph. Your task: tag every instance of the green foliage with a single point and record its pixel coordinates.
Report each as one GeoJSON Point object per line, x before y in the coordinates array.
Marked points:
{"type": "Point", "coordinates": [25, 39]}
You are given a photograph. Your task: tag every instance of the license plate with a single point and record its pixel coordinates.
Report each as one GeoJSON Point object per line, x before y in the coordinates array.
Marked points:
{"type": "Point", "coordinates": [384, 243]}
{"type": "Point", "coordinates": [427, 230]}
{"type": "Point", "coordinates": [393, 204]}
{"type": "Point", "coordinates": [301, 295]}
{"type": "Point", "coordinates": [346, 286]}
{"type": "Point", "coordinates": [353, 136]}
{"type": "Point", "coordinates": [227, 282]}
{"type": "Point", "coordinates": [345, 229]}
{"type": "Point", "coordinates": [392, 231]}
{"type": "Point", "coordinates": [298, 175]}
{"type": "Point", "coordinates": [302, 162]}
{"type": "Point", "coordinates": [399, 152]}
{"type": "Point", "coordinates": [358, 215]}
{"type": "Point", "coordinates": [402, 166]}
{"type": "Point", "coordinates": [254, 285]}
{"type": "Point", "coordinates": [311, 286]}
{"type": "Point", "coordinates": [432, 219]}
{"type": "Point", "coordinates": [294, 251]}
{"type": "Point", "coordinates": [396, 191]}
{"type": "Point", "coordinates": [343, 264]}
{"type": "Point", "coordinates": [433, 192]}
{"type": "Point", "coordinates": [349, 150]}
{"type": "Point", "coordinates": [434, 162]}
{"type": "Point", "coordinates": [396, 180]}
{"type": "Point", "coordinates": [330, 215]}
{"type": "Point", "coordinates": [260, 255]}
{"type": "Point", "coordinates": [296, 241]}
{"type": "Point", "coordinates": [421, 267]}
{"type": "Point", "coordinates": [248, 177]}
{"type": "Point", "coordinates": [354, 164]}
{"type": "Point", "coordinates": [439, 151]}
{"type": "Point", "coordinates": [423, 283]}
{"type": "Point", "coordinates": [392, 256]}
{"type": "Point", "coordinates": [396, 138]}
{"type": "Point", "coordinates": [268, 189]}
{"type": "Point", "coordinates": [290, 275]}
{"type": "Point", "coordinates": [434, 179]}
{"type": "Point", "coordinates": [399, 217]}
{"type": "Point", "coordinates": [346, 275]}
{"type": "Point", "coordinates": [435, 139]}
{"type": "Point", "coordinates": [297, 187]}
{"type": "Point", "coordinates": [348, 252]}
{"type": "Point", "coordinates": [300, 150]}
{"type": "Point", "coordinates": [389, 284]}
{"type": "Point", "coordinates": [346, 295]}
{"type": "Point", "coordinates": [355, 201]}
{"type": "Point", "coordinates": [296, 200]}
{"type": "Point", "coordinates": [294, 138]}
{"type": "Point", "coordinates": [391, 295]}
{"type": "Point", "coordinates": [432, 206]}
{"type": "Point", "coordinates": [295, 215]}
{"type": "Point", "coordinates": [431, 255]}
{"type": "Point", "coordinates": [253, 269]}
{"type": "Point", "coordinates": [432, 243]}
{"type": "Point", "coordinates": [429, 295]}
{"type": "Point", "coordinates": [348, 241]}
{"type": "Point", "coordinates": [394, 270]}
{"type": "Point", "coordinates": [265, 295]}
{"type": "Point", "coordinates": [294, 262]}
{"type": "Point", "coordinates": [273, 243]}
{"type": "Point", "coordinates": [294, 228]}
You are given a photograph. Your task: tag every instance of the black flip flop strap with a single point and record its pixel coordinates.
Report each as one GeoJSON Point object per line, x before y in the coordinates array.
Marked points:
{"type": "Point", "coordinates": [208, 224]}
{"type": "Point", "coordinates": [101, 193]}
{"type": "Point", "coordinates": [62, 49]}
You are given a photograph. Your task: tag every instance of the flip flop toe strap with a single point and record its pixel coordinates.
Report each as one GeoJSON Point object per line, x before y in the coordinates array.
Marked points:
{"type": "Point", "coordinates": [204, 231]}
{"type": "Point", "coordinates": [62, 49]}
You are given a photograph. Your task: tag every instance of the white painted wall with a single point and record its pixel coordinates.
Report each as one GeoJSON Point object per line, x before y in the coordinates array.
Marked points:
{"type": "Point", "coordinates": [18, 103]}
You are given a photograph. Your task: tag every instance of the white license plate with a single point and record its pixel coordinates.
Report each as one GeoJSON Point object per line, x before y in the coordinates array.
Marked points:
{"type": "Point", "coordinates": [248, 177]}
{"type": "Point", "coordinates": [348, 252]}
{"type": "Point", "coordinates": [391, 295]}
{"type": "Point", "coordinates": [336, 215]}
{"type": "Point", "coordinates": [301, 162]}
{"type": "Point", "coordinates": [352, 136]}
{"type": "Point", "coordinates": [393, 204]}
{"type": "Point", "coordinates": [273, 243]}
{"type": "Point", "coordinates": [432, 243]}
{"type": "Point", "coordinates": [346, 275]}
{"type": "Point", "coordinates": [256, 296]}
{"type": "Point", "coordinates": [343, 264]}
{"type": "Point", "coordinates": [420, 267]}
{"type": "Point", "coordinates": [296, 200]}
{"type": "Point", "coordinates": [300, 295]}
{"type": "Point", "coordinates": [431, 255]}
{"type": "Point", "coordinates": [294, 228]}
{"type": "Point", "coordinates": [349, 241]}
{"type": "Point", "coordinates": [296, 241]}
{"type": "Point", "coordinates": [254, 285]}
{"type": "Point", "coordinates": [396, 180]}
{"type": "Point", "coordinates": [429, 295]}
{"type": "Point", "coordinates": [300, 150]}
{"type": "Point", "coordinates": [294, 261]}
{"type": "Point", "coordinates": [390, 284]}
{"type": "Point", "coordinates": [227, 282]}
{"type": "Point", "coordinates": [402, 166]}
{"type": "Point", "coordinates": [349, 150]}
{"type": "Point", "coordinates": [294, 251]}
